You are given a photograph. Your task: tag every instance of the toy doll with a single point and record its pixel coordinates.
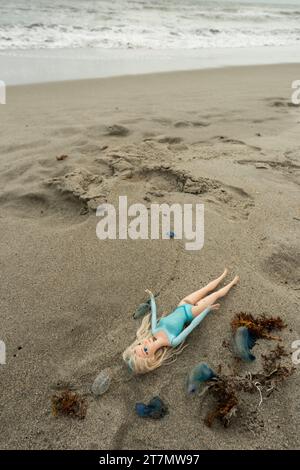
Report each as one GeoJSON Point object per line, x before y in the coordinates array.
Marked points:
{"type": "Point", "coordinates": [156, 342]}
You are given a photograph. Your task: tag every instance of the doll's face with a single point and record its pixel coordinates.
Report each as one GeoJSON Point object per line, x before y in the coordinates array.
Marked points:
{"type": "Point", "coordinates": [146, 348]}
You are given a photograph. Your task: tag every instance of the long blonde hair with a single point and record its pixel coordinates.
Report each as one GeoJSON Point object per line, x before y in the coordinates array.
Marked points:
{"type": "Point", "coordinates": [164, 355]}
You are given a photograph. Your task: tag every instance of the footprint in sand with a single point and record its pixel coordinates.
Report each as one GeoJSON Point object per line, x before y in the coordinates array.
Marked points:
{"type": "Point", "coordinates": [178, 147]}
{"type": "Point", "coordinates": [283, 165]}
{"type": "Point", "coordinates": [39, 203]}
{"type": "Point", "coordinates": [233, 200]}
{"type": "Point", "coordinates": [283, 266]}
{"type": "Point", "coordinates": [66, 132]}
{"type": "Point", "coordinates": [264, 120]}
{"type": "Point", "coordinates": [229, 140]}
{"type": "Point", "coordinates": [165, 178]}
{"type": "Point", "coordinates": [83, 185]}
{"type": "Point", "coordinates": [163, 121]}
{"type": "Point", "coordinates": [117, 130]}
{"type": "Point", "coordinates": [162, 179]}
{"type": "Point", "coordinates": [92, 188]}
{"type": "Point", "coordinates": [165, 139]}
{"type": "Point", "coordinates": [180, 124]}
{"type": "Point", "coordinates": [200, 124]}
{"type": "Point", "coordinates": [98, 131]}
{"type": "Point", "coordinates": [280, 103]}
{"type": "Point", "coordinates": [90, 149]}
{"type": "Point", "coordinates": [4, 149]}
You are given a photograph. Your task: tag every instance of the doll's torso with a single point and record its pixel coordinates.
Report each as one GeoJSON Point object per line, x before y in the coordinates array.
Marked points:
{"type": "Point", "coordinates": [173, 324]}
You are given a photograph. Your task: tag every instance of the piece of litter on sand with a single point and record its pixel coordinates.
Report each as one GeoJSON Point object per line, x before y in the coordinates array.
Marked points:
{"type": "Point", "coordinates": [156, 409]}
{"type": "Point", "coordinates": [68, 403]}
{"type": "Point", "coordinates": [199, 374]}
{"type": "Point", "coordinates": [171, 235]}
{"type": "Point", "coordinates": [61, 157]}
{"type": "Point", "coordinates": [101, 383]}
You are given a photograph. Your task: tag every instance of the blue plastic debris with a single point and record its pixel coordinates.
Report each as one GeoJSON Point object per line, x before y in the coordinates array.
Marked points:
{"type": "Point", "coordinates": [171, 235]}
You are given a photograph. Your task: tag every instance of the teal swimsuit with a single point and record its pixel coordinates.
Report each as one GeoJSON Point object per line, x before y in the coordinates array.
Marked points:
{"type": "Point", "coordinates": [174, 323]}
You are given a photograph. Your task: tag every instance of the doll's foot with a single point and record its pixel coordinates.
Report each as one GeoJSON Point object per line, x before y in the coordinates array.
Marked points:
{"type": "Point", "coordinates": [224, 274]}
{"type": "Point", "coordinates": [235, 280]}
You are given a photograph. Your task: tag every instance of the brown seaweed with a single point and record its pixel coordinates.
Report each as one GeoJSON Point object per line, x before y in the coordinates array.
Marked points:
{"type": "Point", "coordinates": [228, 389]}
{"type": "Point", "coordinates": [227, 402]}
{"type": "Point", "coordinates": [68, 403]}
{"type": "Point", "coordinates": [260, 326]}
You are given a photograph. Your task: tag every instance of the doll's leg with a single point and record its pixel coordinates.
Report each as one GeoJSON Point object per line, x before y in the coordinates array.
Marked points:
{"type": "Point", "coordinates": [199, 294]}
{"type": "Point", "coordinates": [212, 298]}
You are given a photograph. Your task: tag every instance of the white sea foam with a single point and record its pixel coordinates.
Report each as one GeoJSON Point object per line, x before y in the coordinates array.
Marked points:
{"type": "Point", "coordinates": [145, 24]}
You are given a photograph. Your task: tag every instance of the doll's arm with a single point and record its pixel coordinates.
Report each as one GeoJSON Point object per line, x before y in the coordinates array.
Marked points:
{"type": "Point", "coordinates": [153, 311]}
{"type": "Point", "coordinates": [180, 338]}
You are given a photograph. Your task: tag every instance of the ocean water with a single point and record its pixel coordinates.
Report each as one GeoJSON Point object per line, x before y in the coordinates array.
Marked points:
{"type": "Point", "coordinates": [148, 24]}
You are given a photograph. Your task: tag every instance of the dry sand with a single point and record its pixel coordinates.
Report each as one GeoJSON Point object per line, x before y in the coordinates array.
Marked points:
{"type": "Point", "coordinates": [67, 298]}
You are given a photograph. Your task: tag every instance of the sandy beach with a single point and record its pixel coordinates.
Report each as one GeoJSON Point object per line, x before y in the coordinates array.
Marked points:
{"type": "Point", "coordinates": [231, 135]}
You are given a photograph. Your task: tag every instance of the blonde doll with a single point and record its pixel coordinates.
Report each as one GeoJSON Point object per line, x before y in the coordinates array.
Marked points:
{"type": "Point", "coordinates": [156, 342]}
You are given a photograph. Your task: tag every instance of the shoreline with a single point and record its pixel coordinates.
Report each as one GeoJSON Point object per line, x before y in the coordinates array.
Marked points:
{"type": "Point", "coordinates": [53, 65]}
{"type": "Point", "coordinates": [166, 74]}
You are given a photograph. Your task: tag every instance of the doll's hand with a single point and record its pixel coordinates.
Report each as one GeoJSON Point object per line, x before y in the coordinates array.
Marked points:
{"type": "Point", "coordinates": [149, 292]}
{"type": "Point", "coordinates": [215, 307]}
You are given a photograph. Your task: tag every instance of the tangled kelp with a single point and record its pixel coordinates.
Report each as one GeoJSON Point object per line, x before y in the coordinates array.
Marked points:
{"type": "Point", "coordinates": [227, 402]}
{"type": "Point", "coordinates": [259, 327]}
{"type": "Point", "coordinates": [273, 369]}
{"type": "Point", "coordinates": [228, 389]}
{"type": "Point", "coordinates": [247, 330]}
{"type": "Point", "coordinates": [68, 403]}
